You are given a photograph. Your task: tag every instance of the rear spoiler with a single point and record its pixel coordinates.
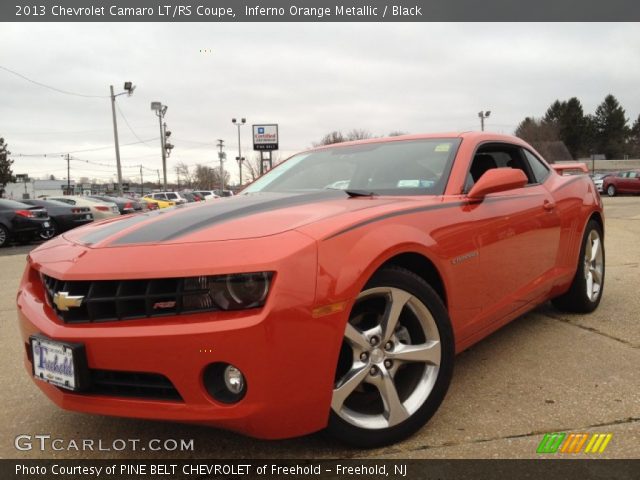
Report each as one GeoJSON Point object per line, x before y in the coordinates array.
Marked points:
{"type": "Point", "coordinates": [562, 167]}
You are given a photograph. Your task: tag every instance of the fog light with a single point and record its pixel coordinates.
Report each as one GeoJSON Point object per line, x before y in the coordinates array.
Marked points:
{"type": "Point", "coordinates": [224, 382]}
{"type": "Point", "coordinates": [233, 379]}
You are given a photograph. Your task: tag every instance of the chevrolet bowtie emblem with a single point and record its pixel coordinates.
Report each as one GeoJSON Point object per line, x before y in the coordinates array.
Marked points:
{"type": "Point", "coordinates": [63, 301]}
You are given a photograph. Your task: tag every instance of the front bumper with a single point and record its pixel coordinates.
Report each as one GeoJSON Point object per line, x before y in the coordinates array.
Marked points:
{"type": "Point", "coordinates": [287, 356]}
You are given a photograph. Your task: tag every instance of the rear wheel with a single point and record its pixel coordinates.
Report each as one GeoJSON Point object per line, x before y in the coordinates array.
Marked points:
{"type": "Point", "coordinates": [586, 290]}
{"type": "Point", "coordinates": [611, 190]}
{"type": "Point", "coordinates": [395, 363]}
{"type": "Point", "coordinates": [50, 232]}
{"type": "Point", "coordinates": [4, 236]}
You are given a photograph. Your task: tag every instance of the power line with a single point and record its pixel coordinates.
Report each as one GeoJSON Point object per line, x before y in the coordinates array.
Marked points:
{"type": "Point", "coordinates": [53, 154]}
{"type": "Point", "coordinates": [129, 126]}
{"type": "Point", "coordinates": [49, 86]}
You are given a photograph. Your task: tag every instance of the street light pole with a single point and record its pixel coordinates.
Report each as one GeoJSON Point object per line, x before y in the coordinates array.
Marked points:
{"type": "Point", "coordinates": [221, 158]}
{"type": "Point", "coordinates": [115, 138]}
{"type": "Point", "coordinates": [483, 115]}
{"type": "Point", "coordinates": [239, 157]}
{"type": "Point", "coordinates": [129, 88]}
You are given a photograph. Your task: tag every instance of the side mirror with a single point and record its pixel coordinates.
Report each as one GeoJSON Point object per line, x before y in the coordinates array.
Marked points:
{"type": "Point", "coordinates": [498, 180]}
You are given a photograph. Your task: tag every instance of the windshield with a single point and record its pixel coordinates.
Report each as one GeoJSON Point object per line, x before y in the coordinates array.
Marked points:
{"type": "Point", "coordinates": [408, 167]}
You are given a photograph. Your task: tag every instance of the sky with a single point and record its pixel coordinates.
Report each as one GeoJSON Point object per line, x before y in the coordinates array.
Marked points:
{"type": "Point", "coordinates": [309, 78]}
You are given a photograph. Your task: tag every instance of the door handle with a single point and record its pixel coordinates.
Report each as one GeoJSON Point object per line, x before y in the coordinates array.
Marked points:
{"type": "Point", "coordinates": [548, 206]}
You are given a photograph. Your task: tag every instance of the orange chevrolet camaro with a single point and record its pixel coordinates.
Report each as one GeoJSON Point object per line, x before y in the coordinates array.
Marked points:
{"type": "Point", "coordinates": [332, 293]}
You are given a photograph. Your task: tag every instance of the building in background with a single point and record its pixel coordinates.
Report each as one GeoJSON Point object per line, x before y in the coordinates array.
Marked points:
{"type": "Point", "coordinates": [38, 188]}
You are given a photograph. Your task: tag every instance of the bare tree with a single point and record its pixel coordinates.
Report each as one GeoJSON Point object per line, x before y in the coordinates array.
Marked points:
{"type": "Point", "coordinates": [397, 133]}
{"type": "Point", "coordinates": [338, 137]}
{"type": "Point", "coordinates": [184, 175]}
{"type": "Point", "coordinates": [331, 138]}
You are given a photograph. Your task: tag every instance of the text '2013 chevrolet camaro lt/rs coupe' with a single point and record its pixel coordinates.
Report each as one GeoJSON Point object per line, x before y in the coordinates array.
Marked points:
{"type": "Point", "coordinates": [332, 293]}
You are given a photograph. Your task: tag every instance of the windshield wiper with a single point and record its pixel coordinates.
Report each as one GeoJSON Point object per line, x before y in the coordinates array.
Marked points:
{"type": "Point", "coordinates": [360, 193]}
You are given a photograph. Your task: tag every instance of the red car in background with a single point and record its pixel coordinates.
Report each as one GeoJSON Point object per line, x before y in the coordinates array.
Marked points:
{"type": "Point", "coordinates": [333, 292]}
{"type": "Point", "coordinates": [622, 182]}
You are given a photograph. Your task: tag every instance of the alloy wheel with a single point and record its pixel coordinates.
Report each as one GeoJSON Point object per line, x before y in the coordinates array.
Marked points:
{"type": "Point", "coordinates": [390, 359]}
{"type": "Point", "coordinates": [593, 265]}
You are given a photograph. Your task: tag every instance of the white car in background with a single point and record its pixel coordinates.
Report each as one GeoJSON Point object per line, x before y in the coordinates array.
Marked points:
{"type": "Point", "coordinates": [168, 197]}
{"type": "Point", "coordinates": [206, 194]}
{"type": "Point", "coordinates": [598, 180]}
{"type": "Point", "coordinates": [99, 209]}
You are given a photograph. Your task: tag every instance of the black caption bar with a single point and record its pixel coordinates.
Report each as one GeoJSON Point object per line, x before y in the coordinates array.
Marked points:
{"type": "Point", "coordinates": [319, 11]}
{"type": "Point", "coordinates": [321, 469]}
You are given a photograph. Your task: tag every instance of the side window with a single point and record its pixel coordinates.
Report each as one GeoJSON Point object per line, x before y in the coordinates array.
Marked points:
{"type": "Point", "coordinates": [539, 169]}
{"type": "Point", "coordinates": [497, 155]}
{"type": "Point", "coordinates": [171, 196]}
{"type": "Point", "coordinates": [633, 174]}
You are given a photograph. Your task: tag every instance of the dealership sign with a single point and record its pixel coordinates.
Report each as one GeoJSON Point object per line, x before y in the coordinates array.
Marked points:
{"type": "Point", "coordinates": [265, 137]}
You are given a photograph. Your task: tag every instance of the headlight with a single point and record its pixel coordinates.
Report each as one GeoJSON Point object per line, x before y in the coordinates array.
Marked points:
{"type": "Point", "coordinates": [226, 292]}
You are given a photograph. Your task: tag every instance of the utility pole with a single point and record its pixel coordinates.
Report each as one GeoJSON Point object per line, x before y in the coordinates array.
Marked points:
{"type": "Point", "coordinates": [141, 183]}
{"type": "Point", "coordinates": [161, 111]}
{"type": "Point", "coordinates": [221, 156]}
{"type": "Point", "coordinates": [68, 174]}
{"type": "Point", "coordinates": [128, 89]}
{"type": "Point", "coordinates": [158, 171]}
{"type": "Point", "coordinates": [239, 157]}
{"type": "Point", "coordinates": [115, 138]}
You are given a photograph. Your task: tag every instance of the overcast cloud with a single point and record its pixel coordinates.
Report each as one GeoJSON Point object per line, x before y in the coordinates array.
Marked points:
{"type": "Point", "coordinates": [308, 78]}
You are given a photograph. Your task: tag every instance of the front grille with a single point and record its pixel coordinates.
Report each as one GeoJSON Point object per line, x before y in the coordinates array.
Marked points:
{"type": "Point", "coordinates": [114, 383]}
{"type": "Point", "coordinates": [112, 300]}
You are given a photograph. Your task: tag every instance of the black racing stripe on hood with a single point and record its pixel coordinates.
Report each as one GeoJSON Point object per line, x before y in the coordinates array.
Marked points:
{"type": "Point", "coordinates": [114, 227]}
{"type": "Point", "coordinates": [220, 211]}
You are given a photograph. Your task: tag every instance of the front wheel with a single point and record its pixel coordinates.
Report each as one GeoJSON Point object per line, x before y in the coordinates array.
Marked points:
{"type": "Point", "coordinates": [611, 190]}
{"type": "Point", "coordinates": [395, 363]}
{"type": "Point", "coordinates": [586, 289]}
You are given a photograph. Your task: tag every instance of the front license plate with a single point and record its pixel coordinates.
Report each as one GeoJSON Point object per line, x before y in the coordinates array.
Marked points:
{"type": "Point", "coordinates": [61, 364]}
{"type": "Point", "coordinates": [45, 224]}
{"type": "Point", "coordinates": [88, 216]}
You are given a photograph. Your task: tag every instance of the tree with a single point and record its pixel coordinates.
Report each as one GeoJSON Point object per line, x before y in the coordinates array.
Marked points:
{"type": "Point", "coordinates": [338, 137]}
{"type": "Point", "coordinates": [543, 135]}
{"type": "Point", "coordinates": [183, 175]}
{"type": "Point", "coordinates": [208, 178]}
{"type": "Point", "coordinates": [6, 174]}
{"type": "Point", "coordinates": [555, 112]}
{"type": "Point", "coordinates": [533, 130]}
{"type": "Point", "coordinates": [573, 128]}
{"type": "Point", "coordinates": [611, 128]}
{"type": "Point", "coordinates": [331, 138]}
{"type": "Point", "coordinates": [634, 138]}
{"type": "Point", "coordinates": [571, 123]}
{"type": "Point", "coordinates": [397, 133]}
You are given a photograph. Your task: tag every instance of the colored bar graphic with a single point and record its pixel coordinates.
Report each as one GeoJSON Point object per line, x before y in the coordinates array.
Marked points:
{"type": "Point", "coordinates": [560, 442]}
{"type": "Point", "coordinates": [550, 442]}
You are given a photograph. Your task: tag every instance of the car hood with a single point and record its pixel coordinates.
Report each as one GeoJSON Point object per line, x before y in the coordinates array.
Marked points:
{"type": "Point", "coordinates": [234, 218]}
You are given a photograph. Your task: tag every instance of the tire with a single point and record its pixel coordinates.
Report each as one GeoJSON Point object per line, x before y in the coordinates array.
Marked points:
{"type": "Point", "coordinates": [611, 190]}
{"type": "Point", "coordinates": [4, 236]}
{"type": "Point", "coordinates": [391, 380]}
{"type": "Point", "coordinates": [585, 292]}
{"type": "Point", "coordinates": [50, 232]}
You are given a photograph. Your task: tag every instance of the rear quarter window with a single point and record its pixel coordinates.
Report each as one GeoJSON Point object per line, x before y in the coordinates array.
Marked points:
{"type": "Point", "coordinates": [539, 169]}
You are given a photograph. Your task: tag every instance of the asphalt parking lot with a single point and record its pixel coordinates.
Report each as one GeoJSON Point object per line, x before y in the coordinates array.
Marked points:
{"type": "Point", "coordinates": [545, 372]}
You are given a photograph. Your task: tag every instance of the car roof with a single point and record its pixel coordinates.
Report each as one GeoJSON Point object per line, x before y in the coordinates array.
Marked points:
{"type": "Point", "coordinates": [469, 135]}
